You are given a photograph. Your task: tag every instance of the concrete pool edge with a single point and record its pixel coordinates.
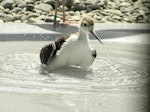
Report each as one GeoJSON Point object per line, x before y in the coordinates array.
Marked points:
{"type": "Point", "coordinates": [42, 32]}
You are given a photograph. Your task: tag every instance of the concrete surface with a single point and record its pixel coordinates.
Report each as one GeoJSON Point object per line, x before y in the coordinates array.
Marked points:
{"type": "Point", "coordinates": [118, 80]}
{"type": "Point", "coordinates": [108, 31]}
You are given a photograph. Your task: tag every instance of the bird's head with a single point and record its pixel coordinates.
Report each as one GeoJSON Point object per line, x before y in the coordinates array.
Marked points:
{"type": "Point", "coordinates": [87, 25]}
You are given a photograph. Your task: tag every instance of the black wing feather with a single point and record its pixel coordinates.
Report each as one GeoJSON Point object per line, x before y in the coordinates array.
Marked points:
{"type": "Point", "coordinates": [47, 52]}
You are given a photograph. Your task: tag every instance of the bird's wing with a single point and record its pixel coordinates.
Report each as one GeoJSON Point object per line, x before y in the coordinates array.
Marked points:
{"type": "Point", "coordinates": [60, 42]}
{"type": "Point", "coordinates": [47, 53]}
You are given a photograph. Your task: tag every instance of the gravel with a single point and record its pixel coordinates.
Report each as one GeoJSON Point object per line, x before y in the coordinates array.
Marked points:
{"type": "Point", "coordinates": [115, 11]}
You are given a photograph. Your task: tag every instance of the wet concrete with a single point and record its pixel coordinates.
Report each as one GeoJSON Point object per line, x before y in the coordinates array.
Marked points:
{"type": "Point", "coordinates": [117, 81]}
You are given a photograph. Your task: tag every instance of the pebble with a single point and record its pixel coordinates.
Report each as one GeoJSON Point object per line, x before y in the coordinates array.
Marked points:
{"type": "Point", "coordinates": [130, 11]}
{"type": "Point", "coordinates": [2, 15]}
{"type": "Point", "coordinates": [71, 13]}
{"type": "Point", "coordinates": [30, 1]}
{"type": "Point", "coordinates": [29, 7]}
{"type": "Point", "coordinates": [17, 17]}
{"type": "Point", "coordinates": [36, 20]}
{"type": "Point", "coordinates": [7, 4]}
{"type": "Point", "coordinates": [33, 15]}
{"type": "Point", "coordinates": [50, 19]}
{"type": "Point", "coordinates": [18, 21]}
{"type": "Point", "coordinates": [6, 11]}
{"type": "Point", "coordinates": [124, 10]}
{"type": "Point", "coordinates": [17, 9]}
{"type": "Point", "coordinates": [8, 18]}
{"type": "Point", "coordinates": [1, 21]}
{"type": "Point", "coordinates": [50, 2]}
{"type": "Point", "coordinates": [20, 3]}
{"type": "Point", "coordinates": [44, 7]}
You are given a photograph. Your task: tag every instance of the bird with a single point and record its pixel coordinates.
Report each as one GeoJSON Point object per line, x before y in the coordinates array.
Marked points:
{"type": "Point", "coordinates": [71, 49]}
{"type": "Point", "coordinates": [55, 23]}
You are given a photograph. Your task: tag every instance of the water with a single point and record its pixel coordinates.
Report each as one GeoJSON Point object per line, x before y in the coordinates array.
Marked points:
{"type": "Point", "coordinates": [117, 81]}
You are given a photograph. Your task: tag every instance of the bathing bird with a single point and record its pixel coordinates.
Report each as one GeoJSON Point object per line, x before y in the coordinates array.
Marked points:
{"type": "Point", "coordinates": [72, 49]}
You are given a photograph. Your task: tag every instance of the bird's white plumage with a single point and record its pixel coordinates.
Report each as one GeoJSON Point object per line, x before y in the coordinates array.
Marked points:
{"type": "Point", "coordinates": [74, 50]}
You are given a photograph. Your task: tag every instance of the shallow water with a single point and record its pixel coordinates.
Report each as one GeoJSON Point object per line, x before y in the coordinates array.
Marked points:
{"type": "Point", "coordinates": [117, 81]}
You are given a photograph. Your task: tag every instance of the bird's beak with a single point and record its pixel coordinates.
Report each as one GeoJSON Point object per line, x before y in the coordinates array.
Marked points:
{"type": "Point", "coordinates": [95, 35]}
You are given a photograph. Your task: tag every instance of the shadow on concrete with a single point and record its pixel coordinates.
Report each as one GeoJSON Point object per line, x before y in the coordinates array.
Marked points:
{"type": "Point", "coordinates": [108, 34]}
{"type": "Point", "coordinates": [29, 37]}
{"type": "Point", "coordinates": [59, 29]}
{"type": "Point", "coordinates": [55, 32]}
{"type": "Point", "coordinates": [103, 34]}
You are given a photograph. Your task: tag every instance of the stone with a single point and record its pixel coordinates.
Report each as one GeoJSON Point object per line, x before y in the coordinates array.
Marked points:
{"type": "Point", "coordinates": [111, 5]}
{"type": "Point", "coordinates": [124, 10]}
{"type": "Point", "coordinates": [8, 18]}
{"type": "Point", "coordinates": [18, 21]}
{"type": "Point", "coordinates": [103, 20]}
{"type": "Point", "coordinates": [148, 20]}
{"type": "Point", "coordinates": [78, 7]}
{"type": "Point", "coordinates": [69, 3]}
{"type": "Point", "coordinates": [61, 7]}
{"type": "Point", "coordinates": [21, 12]}
{"type": "Point", "coordinates": [88, 9]}
{"type": "Point", "coordinates": [7, 4]}
{"type": "Point", "coordinates": [140, 17]}
{"type": "Point", "coordinates": [75, 18]}
{"type": "Point", "coordinates": [137, 5]}
{"type": "Point", "coordinates": [44, 13]}
{"type": "Point", "coordinates": [98, 17]}
{"type": "Point", "coordinates": [134, 0]}
{"type": "Point", "coordinates": [102, 10]}
{"type": "Point", "coordinates": [141, 12]}
{"type": "Point", "coordinates": [30, 1]}
{"type": "Point", "coordinates": [7, 11]}
{"type": "Point", "coordinates": [77, 13]}
{"type": "Point", "coordinates": [17, 17]}
{"type": "Point", "coordinates": [146, 10]}
{"type": "Point", "coordinates": [146, 5]}
{"type": "Point", "coordinates": [17, 9]}
{"type": "Point", "coordinates": [83, 12]}
{"type": "Point", "coordinates": [1, 8]}
{"type": "Point", "coordinates": [20, 3]}
{"type": "Point", "coordinates": [42, 17]}
{"type": "Point", "coordinates": [127, 19]}
{"type": "Point", "coordinates": [37, 11]}
{"type": "Point", "coordinates": [44, 7]}
{"type": "Point", "coordinates": [104, 13]}
{"type": "Point", "coordinates": [121, 0]}
{"type": "Point", "coordinates": [118, 12]}
{"type": "Point", "coordinates": [2, 15]}
{"type": "Point", "coordinates": [33, 15]}
{"type": "Point", "coordinates": [1, 21]}
{"type": "Point", "coordinates": [115, 17]}
{"type": "Point", "coordinates": [125, 4]}
{"type": "Point", "coordinates": [50, 19]}
{"type": "Point", "coordinates": [24, 18]}
{"type": "Point", "coordinates": [95, 7]}
{"type": "Point", "coordinates": [36, 20]}
{"type": "Point", "coordinates": [29, 7]}
{"type": "Point", "coordinates": [50, 2]}
{"type": "Point", "coordinates": [71, 13]}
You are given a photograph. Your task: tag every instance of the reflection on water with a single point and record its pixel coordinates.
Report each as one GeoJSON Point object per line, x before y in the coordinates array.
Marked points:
{"type": "Point", "coordinates": [117, 81]}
